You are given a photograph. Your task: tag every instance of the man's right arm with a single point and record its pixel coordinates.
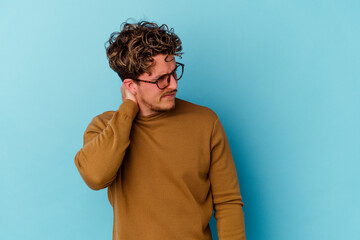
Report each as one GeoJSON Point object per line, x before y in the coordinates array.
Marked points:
{"type": "Point", "coordinates": [105, 144]}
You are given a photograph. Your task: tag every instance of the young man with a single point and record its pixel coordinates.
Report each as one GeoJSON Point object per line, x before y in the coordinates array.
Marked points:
{"type": "Point", "coordinates": [166, 162]}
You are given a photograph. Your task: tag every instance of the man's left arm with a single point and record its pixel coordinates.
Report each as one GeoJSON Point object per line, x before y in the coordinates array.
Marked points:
{"type": "Point", "coordinates": [225, 188]}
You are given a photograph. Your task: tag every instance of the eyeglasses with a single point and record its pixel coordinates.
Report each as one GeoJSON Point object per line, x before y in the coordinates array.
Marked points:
{"type": "Point", "coordinates": [164, 81]}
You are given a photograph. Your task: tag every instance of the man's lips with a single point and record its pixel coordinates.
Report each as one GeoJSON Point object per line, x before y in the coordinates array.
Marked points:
{"type": "Point", "coordinates": [170, 95]}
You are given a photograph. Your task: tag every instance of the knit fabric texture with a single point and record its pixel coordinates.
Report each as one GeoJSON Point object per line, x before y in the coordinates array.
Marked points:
{"type": "Point", "coordinates": [165, 173]}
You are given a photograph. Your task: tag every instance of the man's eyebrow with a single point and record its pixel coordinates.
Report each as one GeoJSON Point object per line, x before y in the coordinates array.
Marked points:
{"type": "Point", "coordinates": [167, 58]}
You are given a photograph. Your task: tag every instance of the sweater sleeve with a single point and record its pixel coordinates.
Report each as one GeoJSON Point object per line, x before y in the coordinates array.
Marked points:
{"type": "Point", "coordinates": [105, 144]}
{"type": "Point", "coordinates": [225, 188]}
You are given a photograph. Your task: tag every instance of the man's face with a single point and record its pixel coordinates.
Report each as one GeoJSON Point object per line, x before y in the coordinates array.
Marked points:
{"type": "Point", "coordinates": [150, 98]}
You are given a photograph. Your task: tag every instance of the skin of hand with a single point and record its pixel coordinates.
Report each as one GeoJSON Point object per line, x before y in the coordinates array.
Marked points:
{"type": "Point", "coordinates": [126, 94]}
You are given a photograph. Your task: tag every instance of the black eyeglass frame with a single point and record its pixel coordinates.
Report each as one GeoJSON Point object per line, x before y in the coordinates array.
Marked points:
{"type": "Point", "coordinates": [168, 82]}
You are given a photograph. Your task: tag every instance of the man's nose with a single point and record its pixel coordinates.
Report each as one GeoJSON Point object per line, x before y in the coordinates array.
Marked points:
{"type": "Point", "coordinates": [172, 83]}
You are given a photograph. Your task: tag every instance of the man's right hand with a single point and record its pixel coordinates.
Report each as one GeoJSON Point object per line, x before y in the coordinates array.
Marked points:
{"type": "Point", "coordinates": [126, 94]}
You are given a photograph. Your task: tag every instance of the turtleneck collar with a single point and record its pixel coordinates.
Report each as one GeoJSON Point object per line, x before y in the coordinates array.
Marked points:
{"type": "Point", "coordinates": [154, 116]}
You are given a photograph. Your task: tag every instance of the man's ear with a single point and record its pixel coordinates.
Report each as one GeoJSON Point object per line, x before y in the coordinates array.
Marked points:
{"type": "Point", "coordinates": [130, 85]}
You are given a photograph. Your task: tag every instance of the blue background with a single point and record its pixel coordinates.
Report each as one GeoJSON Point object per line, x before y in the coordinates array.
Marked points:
{"type": "Point", "coordinates": [283, 76]}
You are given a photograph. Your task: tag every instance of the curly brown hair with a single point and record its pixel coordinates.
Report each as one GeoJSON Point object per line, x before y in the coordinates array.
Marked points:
{"type": "Point", "coordinates": [130, 52]}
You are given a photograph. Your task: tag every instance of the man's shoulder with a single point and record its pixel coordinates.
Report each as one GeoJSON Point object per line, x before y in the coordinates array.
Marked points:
{"type": "Point", "coordinates": [186, 107]}
{"type": "Point", "coordinates": [105, 116]}
{"type": "Point", "coordinates": [100, 121]}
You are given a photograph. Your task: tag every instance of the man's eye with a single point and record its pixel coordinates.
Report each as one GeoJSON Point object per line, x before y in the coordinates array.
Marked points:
{"type": "Point", "coordinates": [162, 78]}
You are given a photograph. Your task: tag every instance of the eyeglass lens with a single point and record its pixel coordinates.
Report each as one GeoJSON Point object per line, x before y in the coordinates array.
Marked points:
{"type": "Point", "coordinates": [165, 81]}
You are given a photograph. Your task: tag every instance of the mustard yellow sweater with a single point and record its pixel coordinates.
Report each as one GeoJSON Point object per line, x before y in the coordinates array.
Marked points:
{"type": "Point", "coordinates": [165, 173]}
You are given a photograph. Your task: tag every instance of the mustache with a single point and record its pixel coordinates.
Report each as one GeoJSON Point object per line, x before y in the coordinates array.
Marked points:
{"type": "Point", "coordinates": [169, 93]}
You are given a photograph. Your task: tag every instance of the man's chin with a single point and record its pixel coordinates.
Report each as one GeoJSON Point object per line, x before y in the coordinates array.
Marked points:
{"type": "Point", "coordinates": [172, 106]}
{"type": "Point", "coordinates": [165, 109]}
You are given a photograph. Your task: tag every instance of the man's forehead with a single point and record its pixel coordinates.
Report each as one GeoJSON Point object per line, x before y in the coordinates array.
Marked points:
{"type": "Point", "coordinates": [158, 59]}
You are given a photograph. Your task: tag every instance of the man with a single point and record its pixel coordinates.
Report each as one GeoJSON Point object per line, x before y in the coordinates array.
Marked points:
{"type": "Point", "coordinates": [166, 162]}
